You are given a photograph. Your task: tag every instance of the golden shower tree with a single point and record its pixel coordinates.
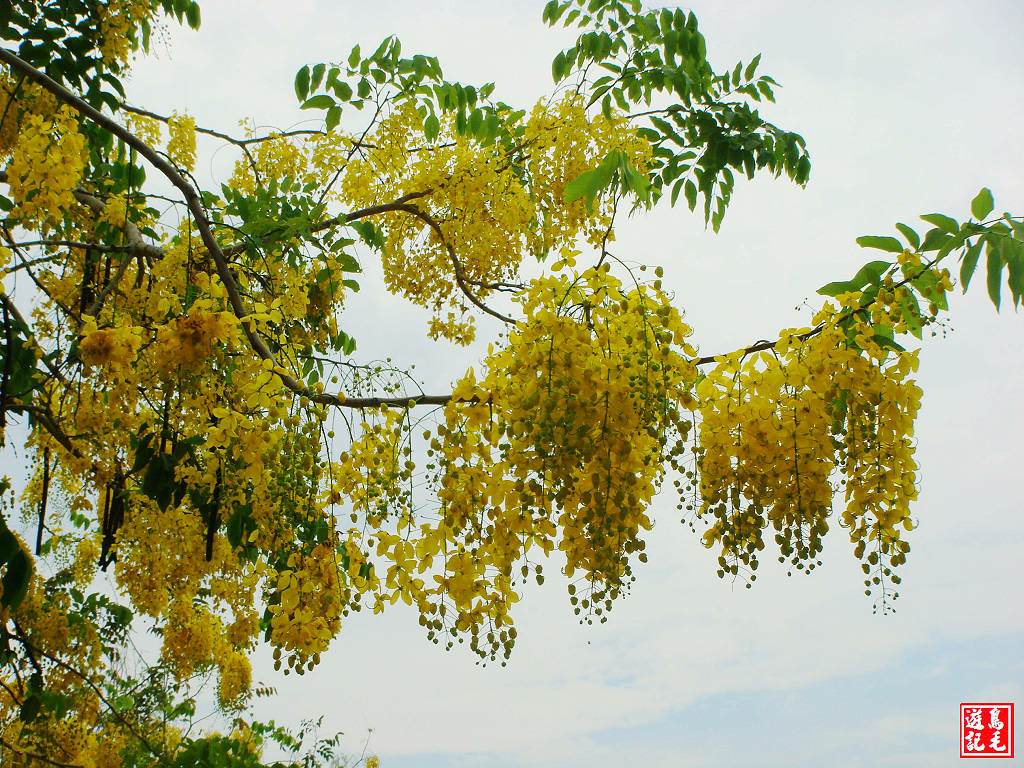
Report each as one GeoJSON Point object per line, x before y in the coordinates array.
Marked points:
{"type": "Point", "coordinates": [202, 430]}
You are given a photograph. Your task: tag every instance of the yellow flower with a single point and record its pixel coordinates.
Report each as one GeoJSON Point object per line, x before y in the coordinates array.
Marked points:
{"type": "Point", "coordinates": [182, 145]}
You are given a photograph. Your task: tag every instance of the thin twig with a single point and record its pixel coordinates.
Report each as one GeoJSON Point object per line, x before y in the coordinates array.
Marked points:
{"type": "Point", "coordinates": [218, 134]}
{"type": "Point", "coordinates": [98, 247]}
{"type": "Point", "coordinates": [94, 308]}
{"type": "Point", "coordinates": [456, 266]}
{"type": "Point", "coordinates": [95, 688]}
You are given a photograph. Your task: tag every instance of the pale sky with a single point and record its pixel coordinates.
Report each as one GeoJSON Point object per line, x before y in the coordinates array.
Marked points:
{"type": "Point", "coordinates": [907, 108]}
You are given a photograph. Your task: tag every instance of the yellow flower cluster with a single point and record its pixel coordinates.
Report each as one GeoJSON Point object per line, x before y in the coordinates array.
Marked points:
{"type": "Point", "coordinates": [73, 733]}
{"type": "Point", "coordinates": [564, 141]}
{"type": "Point", "coordinates": [306, 612]}
{"type": "Point", "coordinates": [277, 157]}
{"type": "Point", "coordinates": [114, 347]}
{"type": "Point", "coordinates": [181, 148]}
{"type": "Point", "coordinates": [777, 426]}
{"type": "Point", "coordinates": [146, 128]}
{"type": "Point", "coordinates": [46, 166]}
{"type": "Point", "coordinates": [190, 338]}
{"type": "Point", "coordinates": [488, 208]}
{"type": "Point", "coordinates": [560, 444]}
{"type": "Point", "coordinates": [373, 474]}
{"type": "Point", "coordinates": [235, 678]}
{"type": "Point", "coordinates": [118, 28]}
{"type": "Point", "coordinates": [190, 634]}
{"type": "Point", "coordinates": [21, 98]}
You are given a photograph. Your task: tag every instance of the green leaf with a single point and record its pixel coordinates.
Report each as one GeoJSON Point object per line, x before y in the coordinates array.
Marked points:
{"type": "Point", "coordinates": [588, 184]}
{"type": "Point", "coordinates": [927, 284]}
{"type": "Point", "coordinates": [945, 223]}
{"type": "Point", "coordinates": [376, 56]}
{"type": "Point", "coordinates": [870, 274]}
{"type": "Point", "coordinates": [347, 262]}
{"type": "Point", "coordinates": [1013, 254]}
{"type": "Point", "coordinates": [302, 84]}
{"type": "Point", "coordinates": [333, 117]}
{"type": "Point", "coordinates": [912, 237]}
{"type": "Point", "coordinates": [994, 270]}
{"type": "Point", "coordinates": [968, 265]}
{"type": "Point", "coordinates": [934, 239]}
{"type": "Point", "coordinates": [322, 101]}
{"type": "Point", "coordinates": [8, 544]}
{"type": "Point", "coordinates": [431, 127]}
{"type": "Point", "coordinates": [884, 338]}
{"type": "Point", "coordinates": [30, 708]}
{"type": "Point", "coordinates": [910, 311]}
{"type": "Point", "coordinates": [16, 578]}
{"type": "Point", "coordinates": [749, 71]}
{"type": "Point", "coordinates": [192, 15]}
{"type": "Point", "coordinates": [690, 190]}
{"type": "Point", "coordinates": [834, 289]}
{"type": "Point", "coordinates": [882, 243]}
{"type": "Point", "coordinates": [558, 67]}
{"type": "Point", "coordinates": [635, 181]}
{"type": "Point", "coordinates": [982, 204]}
{"type": "Point", "coordinates": [476, 121]}
{"type": "Point", "coordinates": [342, 90]}
{"type": "Point", "coordinates": [317, 76]}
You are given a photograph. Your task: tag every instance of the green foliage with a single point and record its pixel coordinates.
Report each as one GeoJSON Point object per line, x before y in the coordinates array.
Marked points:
{"type": "Point", "coordinates": [63, 39]}
{"type": "Point", "coordinates": [702, 125]}
{"type": "Point", "coordinates": [1002, 241]}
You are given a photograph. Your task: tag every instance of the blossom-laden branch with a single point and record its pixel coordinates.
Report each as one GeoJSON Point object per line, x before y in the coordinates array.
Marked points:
{"type": "Point", "coordinates": [36, 756]}
{"type": "Point", "coordinates": [202, 221]}
{"type": "Point", "coordinates": [456, 266]}
{"type": "Point", "coordinates": [34, 651]}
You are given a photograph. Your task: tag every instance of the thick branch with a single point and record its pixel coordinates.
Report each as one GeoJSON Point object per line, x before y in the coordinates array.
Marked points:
{"type": "Point", "coordinates": [192, 201]}
{"type": "Point", "coordinates": [195, 206]}
{"type": "Point", "coordinates": [137, 246]}
{"type": "Point", "coordinates": [43, 416]}
{"type": "Point", "coordinates": [98, 247]}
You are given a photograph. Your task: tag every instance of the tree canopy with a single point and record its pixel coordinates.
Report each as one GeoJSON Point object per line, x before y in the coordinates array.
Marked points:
{"type": "Point", "coordinates": [204, 430]}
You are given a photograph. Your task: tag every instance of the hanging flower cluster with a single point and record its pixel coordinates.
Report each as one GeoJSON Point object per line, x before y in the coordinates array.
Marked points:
{"type": "Point", "coordinates": [837, 401]}
{"type": "Point", "coordinates": [560, 445]}
{"type": "Point", "coordinates": [46, 166]}
{"type": "Point", "coordinates": [487, 206]}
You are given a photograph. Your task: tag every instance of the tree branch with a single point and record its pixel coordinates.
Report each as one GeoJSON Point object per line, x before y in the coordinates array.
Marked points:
{"type": "Point", "coordinates": [763, 346]}
{"type": "Point", "coordinates": [192, 201]}
{"type": "Point", "coordinates": [217, 134]}
{"type": "Point", "coordinates": [195, 206]}
{"type": "Point", "coordinates": [48, 421]}
{"type": "Point", "coordinates": [460, 279]}
{"type": "Point", "coordinates": [29, 647]}
{"type": "Point", "coordinates": [37, 756]}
